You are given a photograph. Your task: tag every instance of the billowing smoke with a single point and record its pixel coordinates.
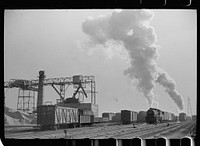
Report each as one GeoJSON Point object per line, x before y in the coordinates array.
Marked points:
{"type": "Point", "coordinates": [169, 85]}
{"type": "Point", "coordinates": [130, 29]}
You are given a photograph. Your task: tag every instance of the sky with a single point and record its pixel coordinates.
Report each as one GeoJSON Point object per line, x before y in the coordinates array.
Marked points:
{"type": "Point", "coordinates": [53, 41]}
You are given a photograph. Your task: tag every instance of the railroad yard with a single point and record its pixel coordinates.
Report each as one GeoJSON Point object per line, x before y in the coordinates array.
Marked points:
{"type": "Point", "coordinates": [94, 75]}
{"type": "Point", "coordinates": [110, 130]}
{"type": "Point", "coordinates": [71, 119]}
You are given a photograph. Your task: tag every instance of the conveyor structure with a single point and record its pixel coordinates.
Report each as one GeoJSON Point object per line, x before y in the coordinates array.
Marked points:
{"type": "Point", "coordinates": [27, 89]}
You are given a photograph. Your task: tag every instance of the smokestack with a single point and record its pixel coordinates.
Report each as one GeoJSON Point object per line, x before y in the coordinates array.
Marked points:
{"type": "Point", "coordinates": [40, 88]}
{"type": "Point", "coordinates": [130, 29]}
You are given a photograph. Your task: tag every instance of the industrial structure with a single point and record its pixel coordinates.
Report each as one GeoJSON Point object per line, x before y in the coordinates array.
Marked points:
{"type": "Point", "coordinates": [28, 88]}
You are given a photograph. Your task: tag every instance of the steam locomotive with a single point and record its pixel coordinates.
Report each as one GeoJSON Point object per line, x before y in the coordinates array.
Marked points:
{"type": "Point", "coordinates": [155, 116]}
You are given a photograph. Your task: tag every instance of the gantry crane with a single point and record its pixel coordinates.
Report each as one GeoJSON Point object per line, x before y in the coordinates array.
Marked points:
{"type": "Point", "coordinates": [27, 89]}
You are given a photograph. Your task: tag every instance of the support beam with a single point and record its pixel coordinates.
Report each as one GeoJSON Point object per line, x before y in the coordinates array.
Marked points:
{"type": "Point", "coordinates": [57, 92]}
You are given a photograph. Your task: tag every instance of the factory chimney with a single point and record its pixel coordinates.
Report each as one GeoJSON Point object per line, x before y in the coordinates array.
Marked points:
{"type": "Point", "coordinates": [40, 88]}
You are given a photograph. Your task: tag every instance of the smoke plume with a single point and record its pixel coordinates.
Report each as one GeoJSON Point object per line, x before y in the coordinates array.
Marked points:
{"type": "Point", "coordinates": [169, 85]}
{"type": "Point", "coordinates": [131, 29]}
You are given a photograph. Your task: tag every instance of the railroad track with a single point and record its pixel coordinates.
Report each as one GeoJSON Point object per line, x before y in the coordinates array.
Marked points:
{"type": "Point", "coordinates": [83, 132]}
{"type": "Point", "coordinates": [192, 131]}
{"type": "Point", "coordinates": [141, 132]}
{"type": "Point", "coordinates": [180, 128]}
{"type": "Point", "coordinates": [117, 132]}
{"type": "Point", "coordinates": [101, 132]}
{"type": "Point", "coordinates": [46, 134]}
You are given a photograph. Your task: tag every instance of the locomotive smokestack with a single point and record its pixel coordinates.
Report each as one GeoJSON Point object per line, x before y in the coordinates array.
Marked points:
{"type": "Point", "coordinates": [40, 88]}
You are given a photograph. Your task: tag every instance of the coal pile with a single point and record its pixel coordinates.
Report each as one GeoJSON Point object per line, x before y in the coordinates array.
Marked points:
{"type": "Point", "coordinates": [16, 117]}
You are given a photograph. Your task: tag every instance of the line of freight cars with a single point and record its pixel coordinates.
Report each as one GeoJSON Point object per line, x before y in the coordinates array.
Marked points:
{"type": "Point", "coordinates": [126, 116]}
{"type": "Point", "coordinates": [54, 116]}
{"type": "Point", "coordinates": [151, 116]}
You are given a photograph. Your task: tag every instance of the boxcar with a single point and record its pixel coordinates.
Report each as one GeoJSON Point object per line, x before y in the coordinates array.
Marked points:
{"type": "Point", "coordinates": [98, 119]}
{"type": "Point", "coordinates": [116, 117]}
{"type": "Point", "coordinates": [86, 119]}
{"type": "Point", "coordinates": [182, 116]}
{"type": "Point", "coordinates": [108, 115]}
{"type": "Point", "coordinates": [105, 119]}
{"type": "Point", "coordinates": [165, 116]}
{"type": "Point", "coordinates": [87, 112]}
{"type": "Point", "coordinates": [128, 116]}
{"type": "Point", "coordinates": [52, 116]}
{"type": "Point", "coordinates": [174, 117]}
{"type": "Point", "coordinates": [194, 117]}
{"type": "Point", "coordinates": [141, 116]}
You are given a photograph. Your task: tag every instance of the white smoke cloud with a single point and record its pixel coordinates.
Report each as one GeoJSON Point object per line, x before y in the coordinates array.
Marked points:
{"type": "Point", "coordinates": [169, 85]}
{"type": "Point", "coordinates": [155, 104]}
{"type": "Point", "coordinates": [131, 29]}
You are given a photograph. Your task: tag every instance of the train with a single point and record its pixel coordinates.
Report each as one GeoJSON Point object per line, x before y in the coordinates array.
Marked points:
{"type": "Point", "coordinates": [61, 116]}
{"type": "Point", "coordinates": [58, 116]}
{"type": "Point", "coordinates": [155, 116]}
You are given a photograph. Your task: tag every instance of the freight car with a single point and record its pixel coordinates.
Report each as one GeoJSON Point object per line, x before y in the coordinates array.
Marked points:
{"type": "Point", "coordinates": [165, 116]}
{"type": "Point", "coordinates": [54, 116]}
{"type": "Point", "coordinates": [182, 117]}
{"type": "Point", "coordinates": [98, 119]}
{"type": "Point", "coordinates": [141, 116]}
{"type": "Point", "coordinates": [101, 119]}
{"type": "Point", "coordinates": [116, 117]}
{"type": "Point", "coordinates": [86, 120]}
{"type": "Point", "coordinates": [155, 116]}
{"type": "Point", "coordinates": [194, 117]}
{"type": "Point", "coordinates": [108, 115]}
{"type": "Point", "coordinates": [105, 119]}
{"type": "Point", "coordinates": [128, 116]}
